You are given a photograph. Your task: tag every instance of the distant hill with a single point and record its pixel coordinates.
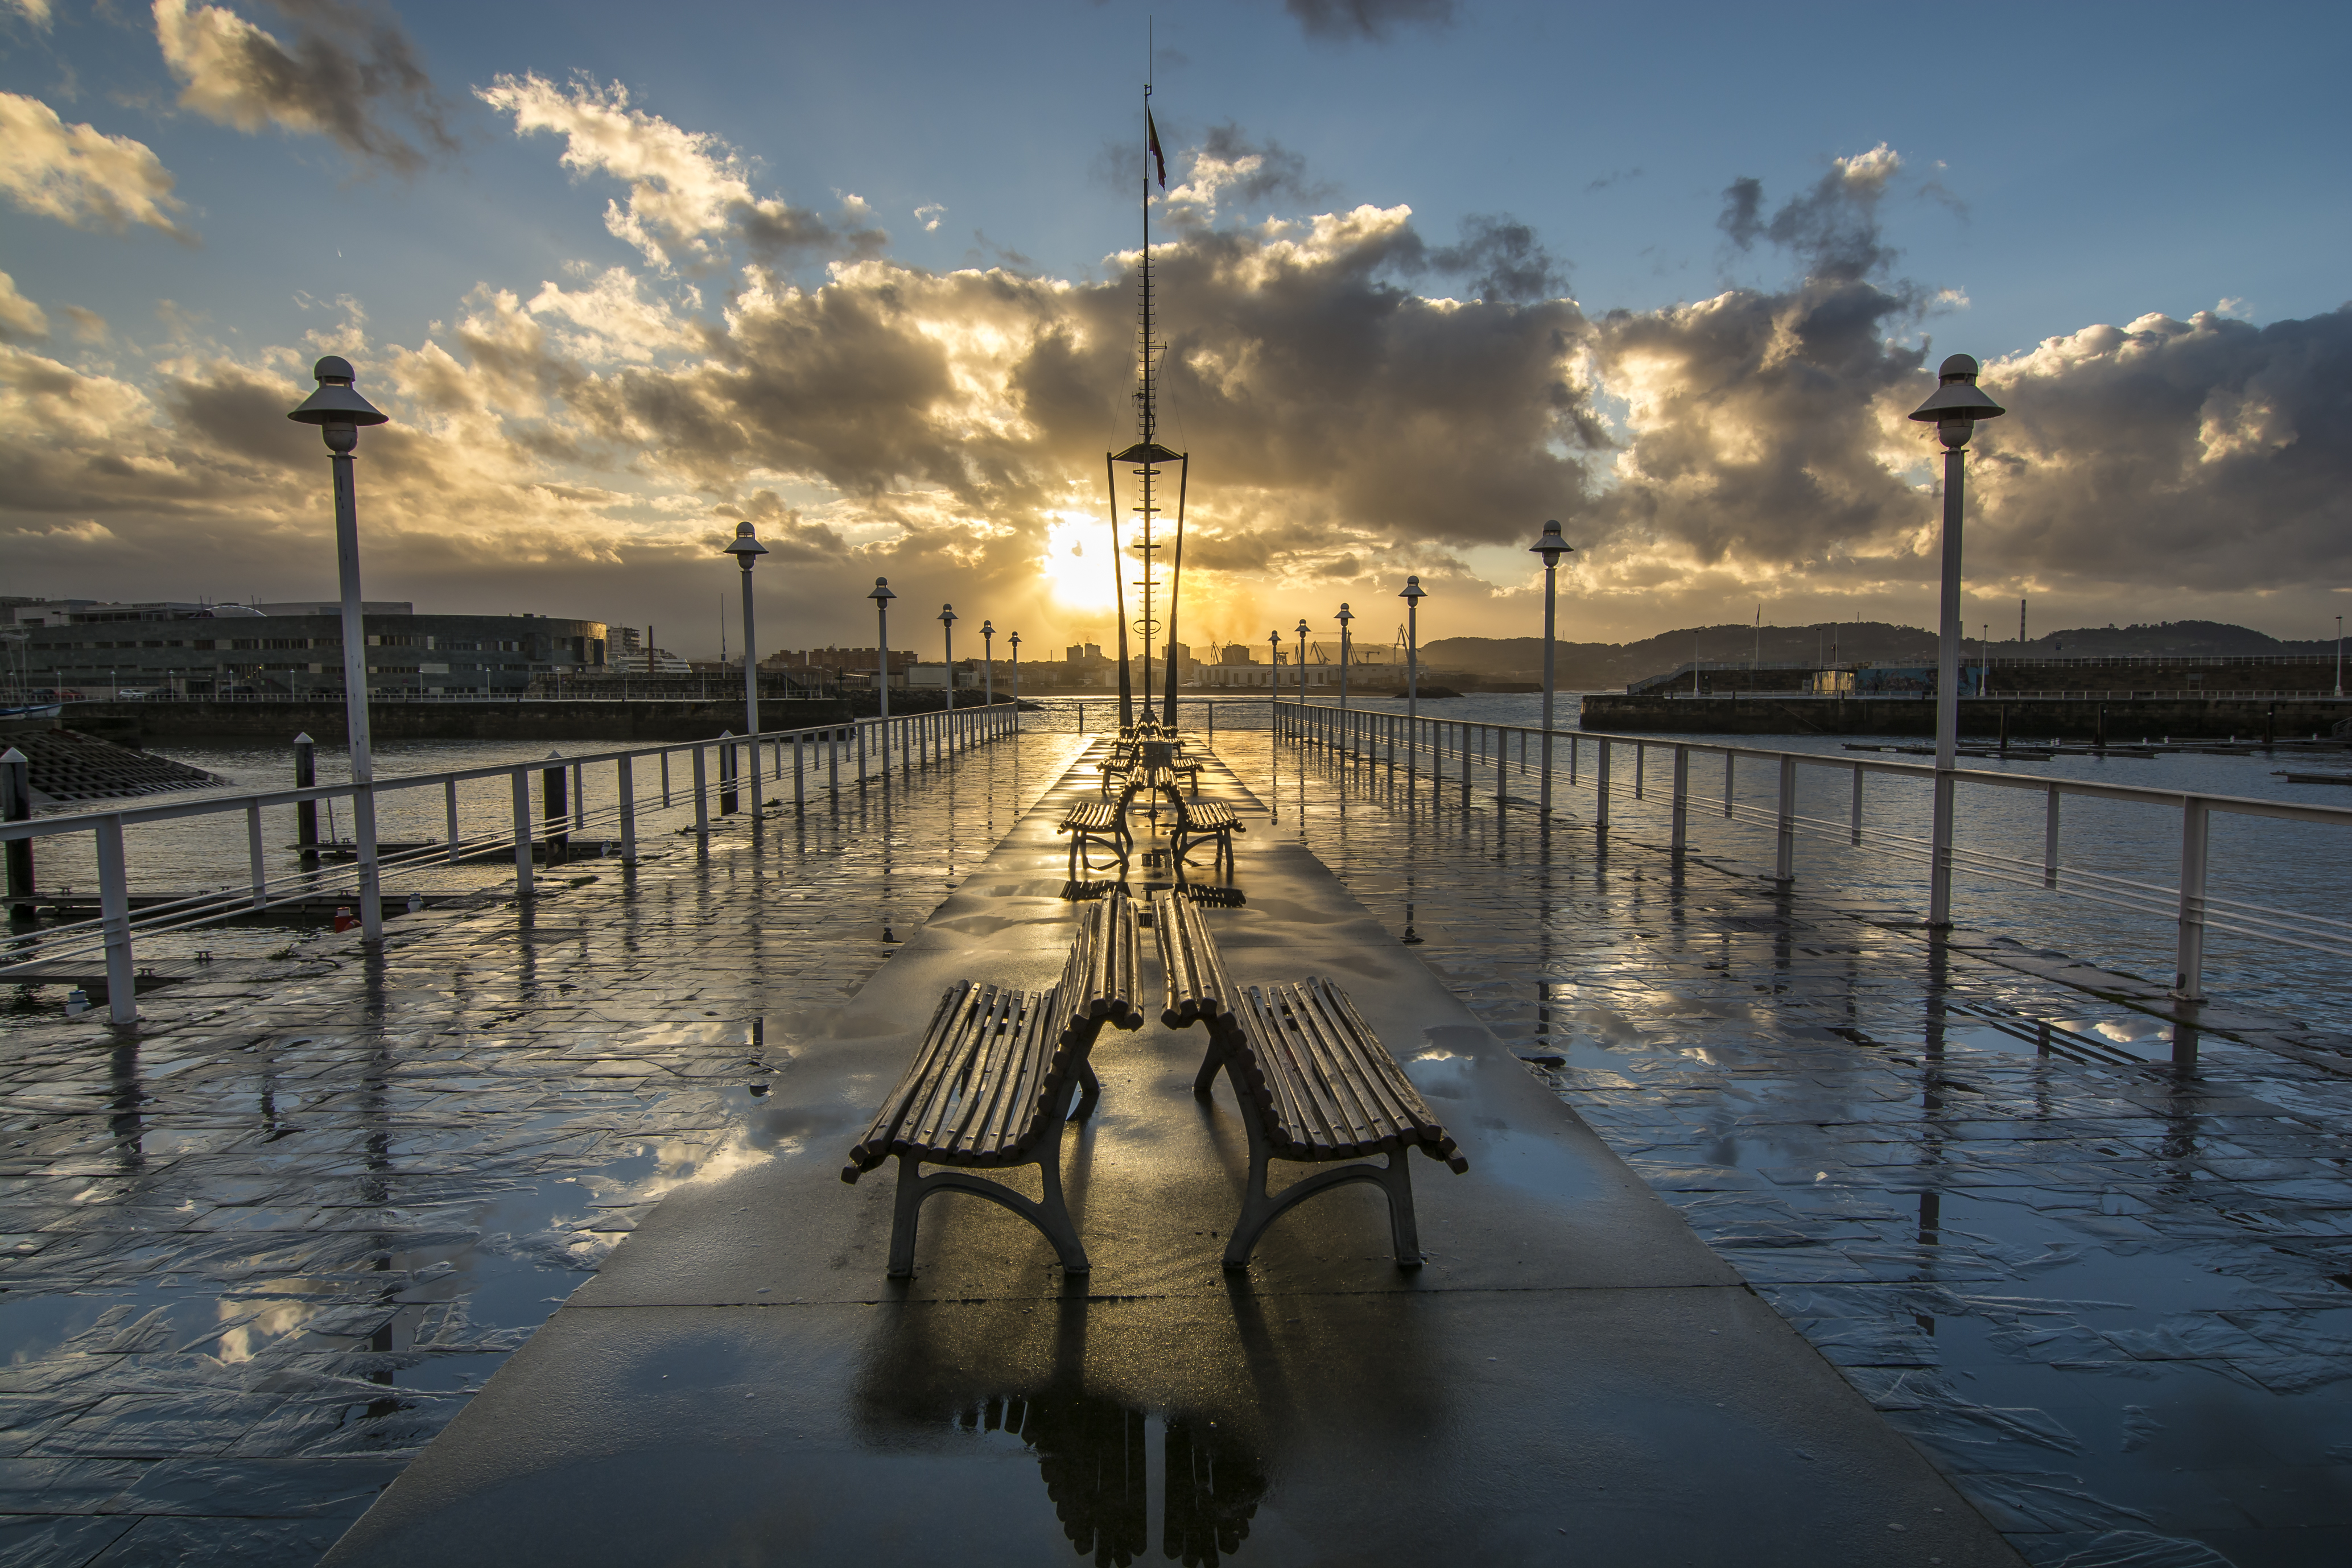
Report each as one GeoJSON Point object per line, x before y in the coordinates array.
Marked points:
{"type": "Point", "coordinates": [1594, 666]}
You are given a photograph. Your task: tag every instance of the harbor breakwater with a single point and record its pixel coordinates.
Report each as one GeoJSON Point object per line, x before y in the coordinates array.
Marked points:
{"type": "Point", "coordinates": [2072, 718]}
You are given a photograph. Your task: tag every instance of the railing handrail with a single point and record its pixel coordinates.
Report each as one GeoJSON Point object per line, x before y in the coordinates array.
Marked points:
{"type": "Point", "coordinates": [2244, 805]}
{"type": "Point", "coordinates": [166, 811]}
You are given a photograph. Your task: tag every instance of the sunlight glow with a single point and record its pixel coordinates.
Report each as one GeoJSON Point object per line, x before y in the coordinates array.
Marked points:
{"type": "Point", "coordinates": [1077, 566]}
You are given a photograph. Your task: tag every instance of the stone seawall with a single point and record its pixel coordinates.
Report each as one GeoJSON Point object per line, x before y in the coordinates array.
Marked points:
{"type": "Point", "coordinates": [2027, 718]}
{"type": "Point", "coordinates": [141, 723]}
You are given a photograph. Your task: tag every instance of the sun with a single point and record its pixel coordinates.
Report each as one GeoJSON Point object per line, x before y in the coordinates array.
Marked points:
{"type": "Point", "coordinates": [1078, 563]}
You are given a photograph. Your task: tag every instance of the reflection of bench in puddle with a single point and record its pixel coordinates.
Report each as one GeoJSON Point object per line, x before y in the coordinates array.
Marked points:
{"type": "Point", "coordinates": [1091, 1452]}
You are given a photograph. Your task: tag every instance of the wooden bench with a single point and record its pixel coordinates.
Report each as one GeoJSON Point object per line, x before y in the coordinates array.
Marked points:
{"type": "Point", "coordinates": [1314, 1083]}
{"type": "Point", "coordinates": [1100, 822]}
{"type": "Point", "coordinates": [989, 1086]}
{"type": "Point", "coordinates": [1200, 819]}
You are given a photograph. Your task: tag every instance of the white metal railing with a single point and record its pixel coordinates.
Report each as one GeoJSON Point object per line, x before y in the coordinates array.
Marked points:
{"type": "Point", "coordinates": [867, 748]}
{"type": "Point", "coordinates": [1470, 746]}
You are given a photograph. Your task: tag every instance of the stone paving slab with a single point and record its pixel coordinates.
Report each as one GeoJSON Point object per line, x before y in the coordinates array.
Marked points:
{"type": "Point", "coordinates": [1573, 1371]}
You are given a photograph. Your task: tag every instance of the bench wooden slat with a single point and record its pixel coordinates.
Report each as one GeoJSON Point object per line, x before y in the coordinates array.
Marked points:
{"type": "Point", "coordinates": [979, 1123]}
{"type": "Point", "coordinates": [1339, 1078]}
{"type": "Point", "coordinates": [946, 1093]}
{"type": "Point", "coordinates": [874, 1147]}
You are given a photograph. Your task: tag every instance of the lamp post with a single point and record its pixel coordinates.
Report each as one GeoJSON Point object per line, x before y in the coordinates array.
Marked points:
{"type": "Point", "coordinates": [988, 662]}
{"type": "Point", "coordinates": [1954, 409]}
{"type": "Point", "coordinates": [746, 548]}
{"type": "Point", "coordinates": [2339, 656]}
{"type": "Point", "coordinates": [947, 638]}
{"type": "Point", "coordinates": [339, 411]}
{"type": "Point", "coordinates": [1412, 595]}
{"type": "Point", "coordinates": [882, 597]}
{"type": "Point", "coordinates": [1345, 617]}
{"type": "Point", "coordinates": [1302, 661]}
{"type": "Point", "coordinates": [1013, 642]}
{"type": "Point", "coordinates": [1551, 547]}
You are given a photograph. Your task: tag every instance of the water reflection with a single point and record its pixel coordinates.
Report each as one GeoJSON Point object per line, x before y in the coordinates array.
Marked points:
{"type": "Point", "coordinates": [1093, 1454]}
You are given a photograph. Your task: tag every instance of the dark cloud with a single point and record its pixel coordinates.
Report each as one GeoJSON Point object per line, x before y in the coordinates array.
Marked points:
{"type": "Point", "coordinates": [1832, 228]}
{"type": "Point", "coordinates": [779, 235]}
{"type": "Point", "coordinates": [2200, 453]}
{"type": "Point", "coordinates": [351, 73]}
{"type": "Point", "coordinates": [1369, 20]}
{"type": "Point", "coordinates": [1273, 172]}
{"type": "Point", "coordinates": [1505, 261]}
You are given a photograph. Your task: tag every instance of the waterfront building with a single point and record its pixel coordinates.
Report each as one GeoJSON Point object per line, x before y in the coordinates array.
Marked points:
{"type": "Point", "coordinates": [93, 651]}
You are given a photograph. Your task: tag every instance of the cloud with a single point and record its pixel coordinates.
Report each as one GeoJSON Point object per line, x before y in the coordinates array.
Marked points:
{"type": "Point", "coordinates": [79, 175]}
{"type": "Point", "coordinates": [88, 325]}
{"type": "Point", "coordinates": [575, 445]}
{"type": "Point", "coordinates": [19, 317]}
{"type": "Point", "coordinates": [929, 215]}
{"type": "Point", "coordinates": [349, 72]}
{"type": "Point", "coordinates": [1832, 228]}
{"type": "Point", "coordinates": [688, 189]}
{"type": "Point", "coordinates": [37, 12]}
{"type": "Point", "coordinates": [1229, 166]}
{"type": "Point", "coordinates": [1371, 21]}
{"type": "Point", "coordinates": [1503, 258]}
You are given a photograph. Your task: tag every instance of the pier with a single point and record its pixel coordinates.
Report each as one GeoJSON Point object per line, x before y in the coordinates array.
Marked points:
{"type": "Point", "coordinates": [1790, 1228]}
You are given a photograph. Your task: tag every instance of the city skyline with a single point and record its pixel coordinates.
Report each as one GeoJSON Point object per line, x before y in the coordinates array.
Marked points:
{"type": "Point", "coordinates": [869, 284]}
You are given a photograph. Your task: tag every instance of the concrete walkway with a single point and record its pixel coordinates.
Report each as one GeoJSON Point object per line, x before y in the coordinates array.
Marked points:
{"type": "Point", "coordinates": [1572, 1375]}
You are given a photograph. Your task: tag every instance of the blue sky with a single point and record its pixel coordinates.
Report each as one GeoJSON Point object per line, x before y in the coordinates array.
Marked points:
{"type": "Point", "coordinates": [2047, 170]}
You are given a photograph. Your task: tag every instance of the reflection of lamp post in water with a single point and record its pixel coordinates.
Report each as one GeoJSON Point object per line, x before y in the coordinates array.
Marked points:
{"type": "Point", "coordinates": [339, 411]}
{"type": "Point", "coordinates": [882, 597]}
{"type": "Point", "coordinates": [1954, 409]}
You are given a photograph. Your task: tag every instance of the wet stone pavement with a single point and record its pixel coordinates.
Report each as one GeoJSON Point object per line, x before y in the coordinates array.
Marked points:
{"type": "Point", "coordinates": [258, 1254]}
{"type": "Point", "coordinates": [2110, 1296]}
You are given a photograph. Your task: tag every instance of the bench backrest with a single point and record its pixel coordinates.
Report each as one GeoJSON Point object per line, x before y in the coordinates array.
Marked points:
{"type": "Point", "coordinates": [1193, 985]}
{"type": "Point", "coordinates": [1102, 979]}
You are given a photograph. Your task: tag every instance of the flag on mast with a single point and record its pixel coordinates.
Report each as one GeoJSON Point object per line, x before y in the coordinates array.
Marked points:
{"type": "Point", "coordinates": [1157, 155]}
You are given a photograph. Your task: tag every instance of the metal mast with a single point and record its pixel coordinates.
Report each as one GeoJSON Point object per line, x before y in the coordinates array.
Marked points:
{"type": "Point", "coordinates": [1145, 456]}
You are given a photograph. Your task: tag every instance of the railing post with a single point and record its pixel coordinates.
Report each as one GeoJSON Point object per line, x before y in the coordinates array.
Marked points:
{"type": "Point", "coordinates": [2188, 980]}
{"type": "Point", "coordinates": [702, 802]}
{"type": "Point", "coordinates": [1575, 743]}
{"type": "Point", "coordinates": [1784, 853]}
{"type": "Point", "coordinates": [625, 781]}
{"type": "Point", "coordinates": [1729, 758]}
{"type": "Point", "coordinates": [2050, 839]}
{"type": "Point", "coordinates": [1853, 830]}
{"type": "Point", "coordinates": [800, 775]}
{"type": "Point", "coordinates": [1462, 733]}
{"type": "Point", "coordinates": [579, 796]}
{"type": "Point", "coordinates": [115, 909]}
{"type": "Point", "coordinates": [305, 812]}
{"type": "Point", "coordinates": [728, 800]}
{"type": "Point", "coordinates": [1641, 755]}
{"type": "Point", "coordinates": [1682, 799]}
{"type": "Point", "coordinates": [449, 817]}
{"type": "Point", "coordinates": [834, 744]}
{"type": "Point", "coordinates": [1601, 788]}
{"type": "Point", "coordinates": [255, 866]}
{"type": "Point", "coordinates": [665, 772]}
{"type": "Point", "coordinates": [16, 806]}
{"type": "Point", "coordinates": [1940, 853]}
{"type": "Point", "coordinates": [522, 832]}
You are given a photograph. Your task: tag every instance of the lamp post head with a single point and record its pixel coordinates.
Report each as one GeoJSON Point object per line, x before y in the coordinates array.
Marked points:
{"type": "Point", "coordinates": [1344, 616]}
{"type": "Point", "coordinates": [1013, 642]}
{"type": "Point", "coordinates": [745, 547]}
{"type": "Point", "coordinates": [947, 615]}
{"type": "Point", "coordinates": [1956, 405]}
{"type": "Point", "coordinates": [336, 408]}
{"type": "Point", "coordinates": [1551, 546]}
{"type": "Point", "coordinates": [988, 628]}
{"type": "Point", "coordinates": [882, 594]}
{"type": "Point", "coordinates": [1302, 629]}
{"type": "Point", "coordinates": [1414, 592]}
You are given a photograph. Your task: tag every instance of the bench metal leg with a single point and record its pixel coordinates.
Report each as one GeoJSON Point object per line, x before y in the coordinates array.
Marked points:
{"type": "Point", "coordinates": [1261, 1209]}
{"type": "Point", "coordinates": [1051, 1216]}
{"type": "Point", "coordinates": [1090, 1093]}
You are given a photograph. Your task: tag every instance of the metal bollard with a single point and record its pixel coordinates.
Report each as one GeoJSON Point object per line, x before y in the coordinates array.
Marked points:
{"type": "Point", "coordinates": [2189, 976]}
{"type": "Point", "coordinates": [114, 916]}
{"type": "Point", "coordinates": [552, 807]}
{"type": "Point", "coordinates": [305, 812]}
{"type": "Point", "coordinates": [1681, 800]}
{"type": "Point", "coordinates": [16, 806]}
{"type": "Point", "coordinates": [449, 819]}
{"type": "Point", "coordinates": [1784, 855]}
